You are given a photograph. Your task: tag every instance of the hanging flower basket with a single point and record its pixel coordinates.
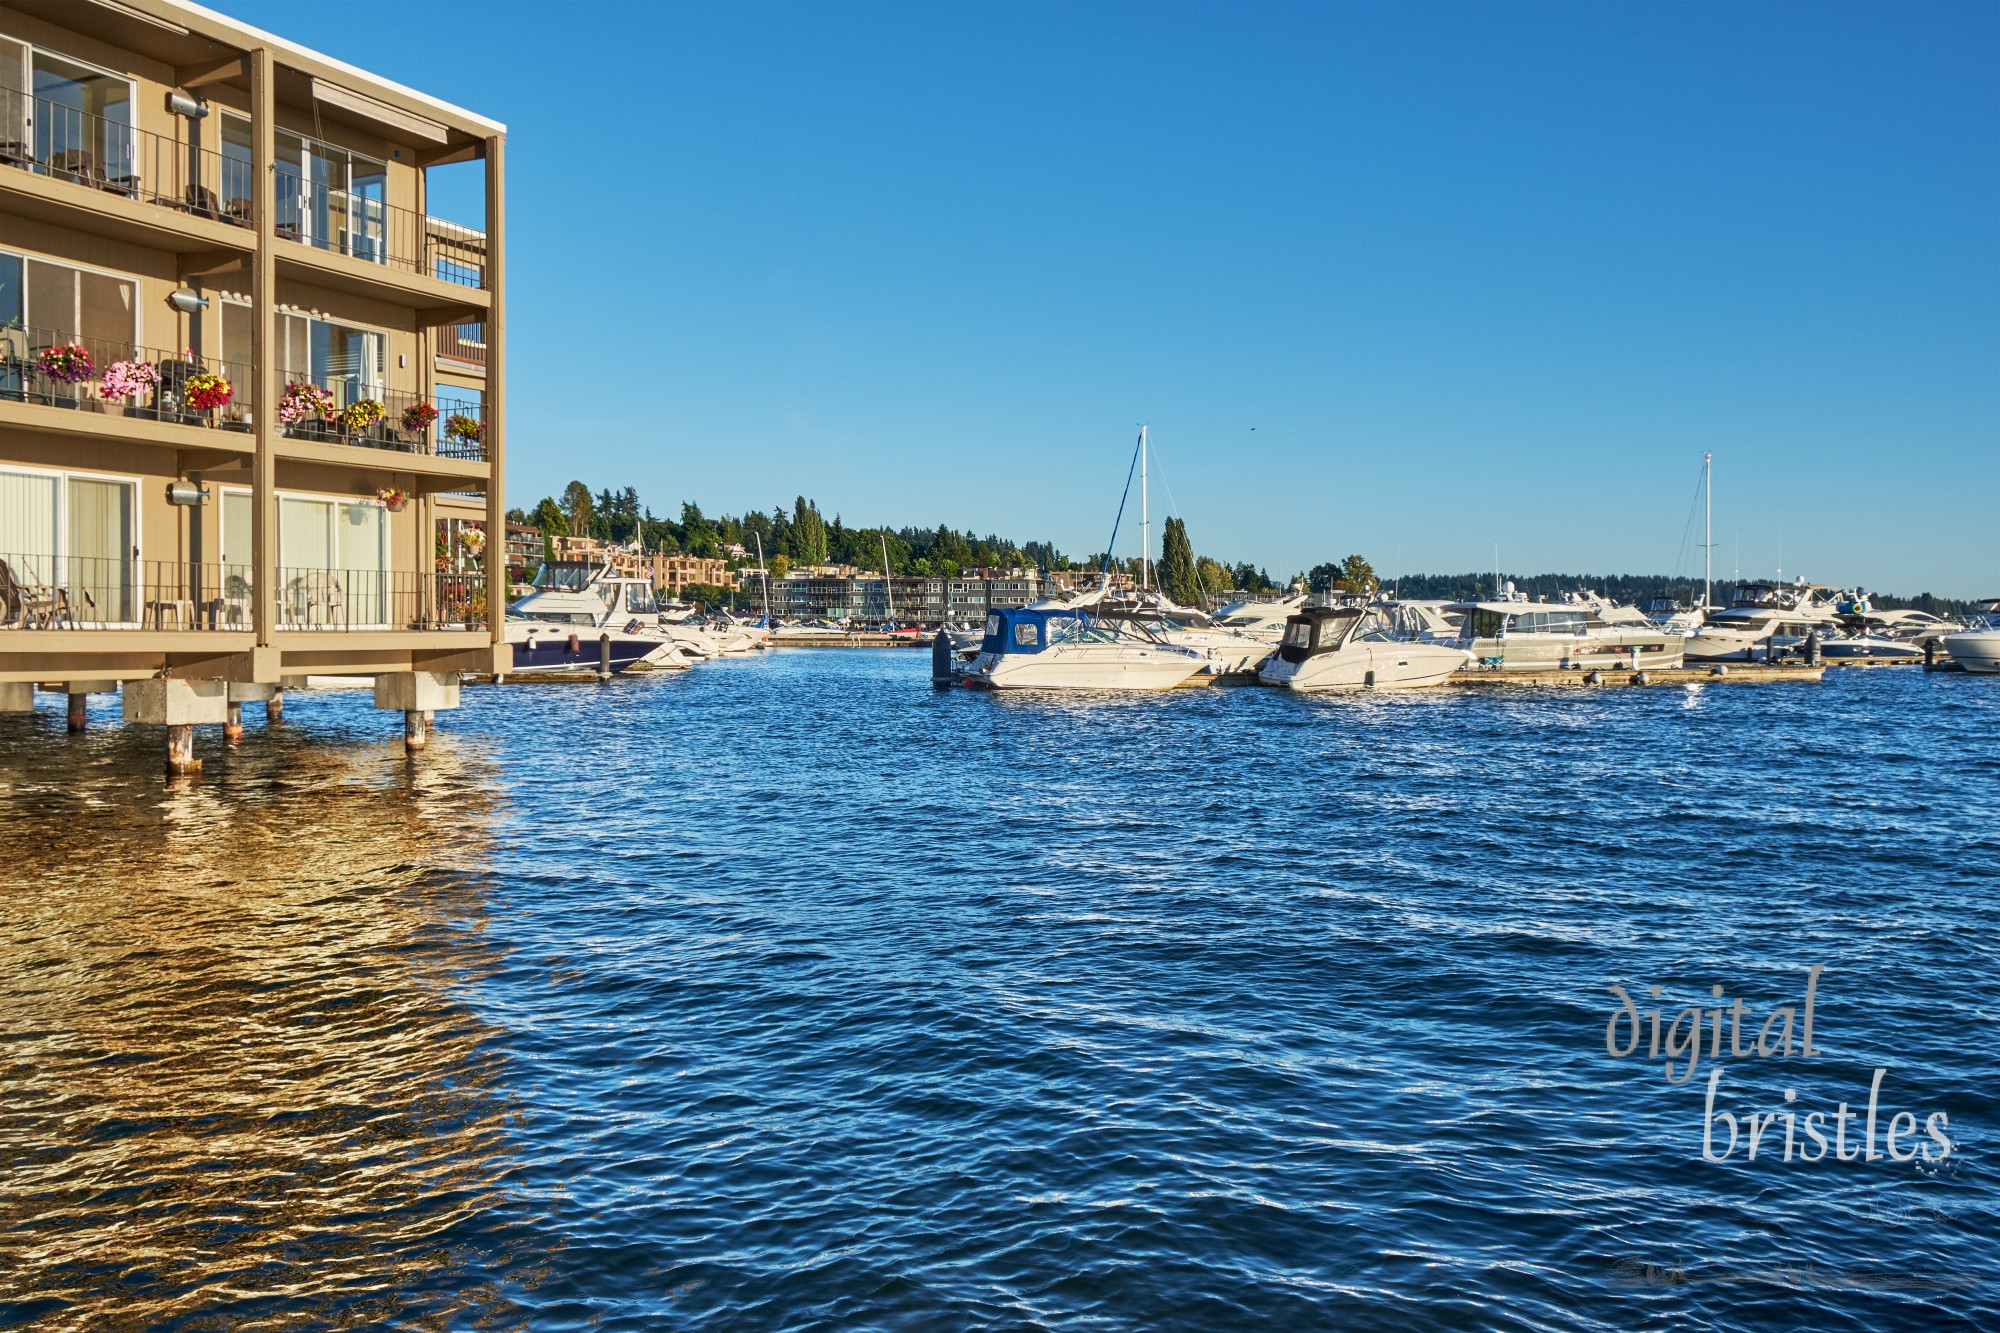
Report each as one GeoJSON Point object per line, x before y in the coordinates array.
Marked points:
{"type": "Point", "coordinates": [464, 428]}
{"type": "Point", "coordinates": [207, 391]}
{"type": "Point", "coordinates": [472, 539]}
{"type": "Point", "coordinates": [360, 414]}
{"type": "Point", "coordinates": [392, 499]}
{"type": "Point", "coordinates": [125, 380]}
{"type": "Point", "coordinates": [69, 364]}
{"type": "Point", "coordinates": [305, 402]}
{"type": "Point", "coordinates": [417, 418]}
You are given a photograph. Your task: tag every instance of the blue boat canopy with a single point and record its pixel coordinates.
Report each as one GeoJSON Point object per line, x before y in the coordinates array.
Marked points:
{"type": "Point", "coordinates": [1029, 629]}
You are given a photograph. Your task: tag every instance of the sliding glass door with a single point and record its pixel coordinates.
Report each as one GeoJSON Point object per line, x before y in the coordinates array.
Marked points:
{"type": "Point", "coordinates": [83, 121]}
{"type": "Point", "coordinates": [69, 541]}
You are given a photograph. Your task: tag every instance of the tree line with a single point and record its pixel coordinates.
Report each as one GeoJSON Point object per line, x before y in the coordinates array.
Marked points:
{"type": "Point", "coordinates": [802, 535]}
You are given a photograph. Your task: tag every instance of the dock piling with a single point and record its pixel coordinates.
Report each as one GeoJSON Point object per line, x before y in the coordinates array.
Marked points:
{"type": "Point", "coordinates": [180, 749]}
{"type": "Point", "coordinates": [603, 658]}
{"type": "Point", "coordinates": [78, 717]}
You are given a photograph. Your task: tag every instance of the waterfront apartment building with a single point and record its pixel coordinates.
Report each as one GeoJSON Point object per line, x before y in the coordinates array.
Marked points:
{"type": "Point", "coordinates": [670, 575]}
{"type": "Point", "coordinates": [245, 378]}
{"type": "Point", "coordinates": [907, 600]}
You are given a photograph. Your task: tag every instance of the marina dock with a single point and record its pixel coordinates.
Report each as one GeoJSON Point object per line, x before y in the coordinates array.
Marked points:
{"type": "Point", "coordinates": [1742, 673]}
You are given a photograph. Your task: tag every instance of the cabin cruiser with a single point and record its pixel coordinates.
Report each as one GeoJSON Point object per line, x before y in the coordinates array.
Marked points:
{"type": "Point", "coordinates": [1059, 648]}
{"type": "Point", "coordinates": [1226, 651]}
{"type": "Point", "coordinates": [1260, 620]}
{"type": "Point", "coordinates": [1977, 646]}
{"type": "Point", "coordinates": [1355, 648]}
{"type": "Point", "coordinates": [1767, 616]}
{"type": "Point", "coordinates": [573, 605]}
{"type": "Point", "coordinates": [1515, 634]}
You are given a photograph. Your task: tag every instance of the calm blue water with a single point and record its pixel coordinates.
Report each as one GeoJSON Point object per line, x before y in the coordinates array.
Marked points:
{"type": "Point", "coordinates": [789, 994]}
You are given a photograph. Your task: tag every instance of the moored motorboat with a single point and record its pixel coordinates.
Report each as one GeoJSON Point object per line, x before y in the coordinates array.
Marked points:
{"type": "Point", "coordinates": [1515, 634]}
{"type": "Point", "coordinates": [1053, 648]}
{"type": "Point", "coordinates": [581, 616]}
{"type": "Point", "coordinates": [1977, 647]}
{"type": "Point", "coordinates": [1355, 648]}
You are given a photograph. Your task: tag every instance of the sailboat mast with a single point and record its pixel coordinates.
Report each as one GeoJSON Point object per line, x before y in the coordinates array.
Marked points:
{"type": "Point", "coordinates": [1707, 527]}
{"type": "Point", "coordinates": [1145, 528]}
{"type": "Point", "coordinates": [764, 577]}
{"type": "Point", "coordinates": [888, 593]}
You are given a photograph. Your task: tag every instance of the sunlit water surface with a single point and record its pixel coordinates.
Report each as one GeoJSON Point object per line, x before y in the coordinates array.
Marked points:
{"type": "Point", "coordinates": [789, 994]}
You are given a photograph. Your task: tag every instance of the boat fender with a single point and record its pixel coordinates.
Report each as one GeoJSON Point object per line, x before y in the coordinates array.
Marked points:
{"type": "Point", "coordinates": [574, 643]}
{"type": "Point", "coordinates": [1719, 671]}
{"type": "Point", "coordinates": [632, 627]}
{"type": "Point", "coordinates": [1594, 678]}
{"type": "Point", "coordinates": [1643, 678]}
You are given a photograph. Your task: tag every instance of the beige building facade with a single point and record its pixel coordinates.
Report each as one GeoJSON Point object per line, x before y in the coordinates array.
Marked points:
{"type": "Point", "coordinates": [244, 376]}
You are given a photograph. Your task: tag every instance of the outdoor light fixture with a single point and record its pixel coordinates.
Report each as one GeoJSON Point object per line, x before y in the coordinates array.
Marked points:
{"type": "Point", "coordinates": [187, 302]}
{"type": "Point", "coordinates": [180, 493]}
{"type": "Point", "coordinates": [182, 104]}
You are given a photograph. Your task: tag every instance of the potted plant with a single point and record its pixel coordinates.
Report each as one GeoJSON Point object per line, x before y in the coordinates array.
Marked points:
{"type": "Point", "coordinates": [360, 414]}
{"type": "Point", "coordinates": [126, 380]}
{"type": "Point", "coordinates": [473, 540]}
{"type": "Point", "coordinates": [417, 419]}
{"type": "Point", "coordinates": [206, 391]}
{"type": "Point", "coordinates": [68, 364]}
{"type": "Point", "coordinates": [465, 429]}
{"type": "Point", "coordinates": [392, 499]}
{"type": "Point", "coordinates": [305, 404]}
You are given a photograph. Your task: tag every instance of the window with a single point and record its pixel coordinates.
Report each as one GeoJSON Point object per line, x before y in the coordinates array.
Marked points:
{"type": "Point", "coordinates": [341, 357]}
{"type": "Point", "coordinates": [74, 533]}
{"type": "Point", "coordinates": [326, 196]}
{"type": "Point", "coordinates": [82, 116]}
{"type": "Point", "coordinates": [333, 556]}
{"type": "Point", "coordinates": [61, 302]}
{"type": "Point", "coordinates": [1027, 634]}
{"type": "Point", "coordinates": [992, 624]}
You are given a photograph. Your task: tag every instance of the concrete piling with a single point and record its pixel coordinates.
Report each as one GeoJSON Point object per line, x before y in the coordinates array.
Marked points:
{"type": "Point", "coordinates": [78, 712]}
{"type": "Point", "coordinates": [232, 725]}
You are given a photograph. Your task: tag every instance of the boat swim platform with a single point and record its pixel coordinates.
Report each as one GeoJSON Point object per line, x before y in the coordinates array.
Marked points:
{"type": "Point", "coordinates": [1721, 673]}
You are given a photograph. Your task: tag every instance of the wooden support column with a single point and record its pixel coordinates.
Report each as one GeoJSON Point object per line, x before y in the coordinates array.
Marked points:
{"type": "Point", "coordinates": [496, 388]}
{"type": "Point", "coordinates": [264, 344]}
{"type": "Point", "coordinates": [78, 703]}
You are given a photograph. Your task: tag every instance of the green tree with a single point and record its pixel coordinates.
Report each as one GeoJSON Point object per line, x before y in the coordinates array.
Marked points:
{"type": "Point", "coordinates": [577, 508]}
{"type": "Point", "coordinates": [549, 517]}
{"type": "Point", "coordinates": [808, 532]}
{"type": "Point", "coordinates": [1359, 575]}
{"type": "Point", "coordinates": [1213, 575]}
{"type": "Point", "coordinates": [1178, 578]}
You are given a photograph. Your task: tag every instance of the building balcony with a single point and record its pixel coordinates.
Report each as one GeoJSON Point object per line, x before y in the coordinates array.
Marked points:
{"type": "Point", "coordinates": [340, 411]}
{"type": "Point", "coordinates": [69, 595]}
{"type": "Point", "coordinates": [108, 383]}
{"type": "Point", "coordinates": [107, 177]}
{"type": "Point", "coordinates": [101, 380]}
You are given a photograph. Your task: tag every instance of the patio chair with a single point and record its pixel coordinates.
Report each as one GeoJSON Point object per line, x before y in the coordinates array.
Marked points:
{"type": "Point", "coordinates": [322, 593]}
{"type": "Point", "coordinates": [201, 202]}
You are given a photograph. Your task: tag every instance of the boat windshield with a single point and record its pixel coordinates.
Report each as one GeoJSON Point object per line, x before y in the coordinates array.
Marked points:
{"type": "Point", "coordinates": [639, 599]}
{"type": "Point", "coordinates": [564, 576]}
{"type": "Point", "coordinates": [1548, 622]}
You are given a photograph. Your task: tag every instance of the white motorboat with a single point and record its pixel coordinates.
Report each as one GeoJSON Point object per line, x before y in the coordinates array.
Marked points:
{"type": "Point", "coordinates": [1225, 651]}
{"type": "Point", "coordinates": [1869, 648]}
{"type": "Point", "coordinates": [1977, 646]}
{"type": "Point", "coordinates": [1515, 634]}
{"type": "Point", "coordinates": [1259, 620]}
{"type": "Point", "coordinates": [1055, 648]}
{"type": "Point", "coordinates": [1762, 619]}
{"type": "Point", "coordinates": [578, 608]}
{"type": "Point", "coordinates": [1355, 648]}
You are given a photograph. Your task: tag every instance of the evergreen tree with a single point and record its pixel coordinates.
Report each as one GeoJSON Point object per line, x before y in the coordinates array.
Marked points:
{"type": "Point", "coordinates": [577, 507]}
{"type": "Point", "coordinates": [549, 517]}
{"type": "Point", "coordinates": [1178, 579]}
{"type": "Point", "coordinates": [808, 533]}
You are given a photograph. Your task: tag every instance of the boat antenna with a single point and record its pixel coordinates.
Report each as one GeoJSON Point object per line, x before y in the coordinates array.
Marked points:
{"type": "Point", "coordinates": [1104, 580]}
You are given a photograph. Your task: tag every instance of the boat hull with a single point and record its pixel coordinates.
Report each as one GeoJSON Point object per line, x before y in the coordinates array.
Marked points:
{"type": "Point", "coordinates": [552, 652]}
{"type": "Point", "coordinates": [1606, 650]}
{"type": "Point", "coordinates": [1368, 666]}
{"type": "Point", "coordinates": [1977, 652]}
{"type": "Point", "coordinates": [1138, 669]}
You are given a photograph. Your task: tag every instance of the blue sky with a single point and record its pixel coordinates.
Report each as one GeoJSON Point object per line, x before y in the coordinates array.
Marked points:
{"type": "Point", "coordinates": [1475, 274]}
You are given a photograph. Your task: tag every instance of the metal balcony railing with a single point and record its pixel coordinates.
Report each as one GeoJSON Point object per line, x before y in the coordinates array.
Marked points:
{"type": "Point", "coordinates": [55, 368]}
{"type": "Point", "coordinates": [71, 592]}
{"type": "Point", "coordinates": [372, 599]}
{"type": "Point", "coordinates": [63, 143]}
{"type": "Point", "coordinates": [361, 225]}
{"type": "Point", "coordinates": [344, 411]}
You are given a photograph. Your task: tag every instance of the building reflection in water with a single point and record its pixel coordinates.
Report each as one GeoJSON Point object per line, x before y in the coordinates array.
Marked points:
{"type": "Point", "coordinates": [237, 1072]}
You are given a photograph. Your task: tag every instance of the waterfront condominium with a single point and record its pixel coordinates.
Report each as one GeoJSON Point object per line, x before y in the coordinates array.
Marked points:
{"type": "Point", "coordinates": [250, 390]}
